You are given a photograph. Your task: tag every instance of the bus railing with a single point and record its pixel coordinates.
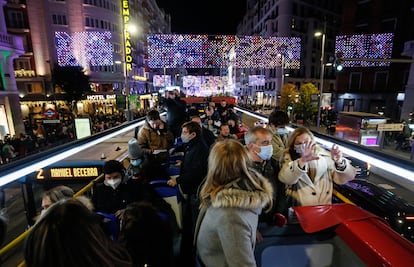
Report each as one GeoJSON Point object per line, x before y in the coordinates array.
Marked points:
{"type": "Point", "coordinates": [17, 241]}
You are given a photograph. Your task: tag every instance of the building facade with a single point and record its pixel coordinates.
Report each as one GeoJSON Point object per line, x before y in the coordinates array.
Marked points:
{"type": "Point", "coordinates": [11, 47]}
{"type": "Point", "coordinates": [377, 89]}
{"type": "Point", "coordinates": [106, 38]}
{"type": "Point", "coordinates": [293, 18]}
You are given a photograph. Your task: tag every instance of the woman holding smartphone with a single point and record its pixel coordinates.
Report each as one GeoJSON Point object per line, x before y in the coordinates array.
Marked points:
{"type": "Point", "coordinates": [309, 171]}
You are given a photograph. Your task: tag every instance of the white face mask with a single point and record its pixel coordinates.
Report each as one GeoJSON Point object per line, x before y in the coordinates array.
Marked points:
{"type": "Point", "coordinates": [114, 183]}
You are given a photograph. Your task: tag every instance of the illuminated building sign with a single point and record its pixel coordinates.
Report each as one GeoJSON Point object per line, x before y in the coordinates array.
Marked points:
{"type": "Point", "coordinates": [127, 37]}
{"type": "Point", "coordinates": [84, 48]}
{"type": "Point", "coordinates": [24, 73]}
{"type": "Point", "coordinates": [90, 172]}
{"type": "Point", "coordinates": [100, 97]}
{"type": "Point", "coordinates": [50, 113]}
{"type": "Point", "coordinates": [139, 78]}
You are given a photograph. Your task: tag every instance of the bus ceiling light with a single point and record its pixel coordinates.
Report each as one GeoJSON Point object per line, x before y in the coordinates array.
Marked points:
{"type": "Point", "coordinates": [252, 114]}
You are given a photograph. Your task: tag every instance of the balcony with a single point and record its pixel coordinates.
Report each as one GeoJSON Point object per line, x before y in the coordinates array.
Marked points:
{"type": "Point", "coordinates": [12, 42]}
{"type": "Point", "coordinates": [408, 49]}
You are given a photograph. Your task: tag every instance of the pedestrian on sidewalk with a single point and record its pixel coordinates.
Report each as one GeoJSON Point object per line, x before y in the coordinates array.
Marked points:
{"type": "Point", "coordinates": [412, 145]}
{"type": "Point", "coordinates": [400, 138]}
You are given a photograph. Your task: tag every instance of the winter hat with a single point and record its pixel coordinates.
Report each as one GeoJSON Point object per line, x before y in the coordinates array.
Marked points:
{"type": "Point", "coordinates": [134, 150]}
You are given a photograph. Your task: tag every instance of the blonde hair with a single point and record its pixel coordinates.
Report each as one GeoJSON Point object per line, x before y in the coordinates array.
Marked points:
{"type": "Point", "coordinates": [229, 163]}
{"type": "Point", "coordinates": [297, 132]}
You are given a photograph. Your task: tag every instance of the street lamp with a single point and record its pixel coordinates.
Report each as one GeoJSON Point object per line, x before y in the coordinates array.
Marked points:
{"type": "Point", "coordinates": [317, 34]}
{"type": "Point", "coordinates": [282, 69]}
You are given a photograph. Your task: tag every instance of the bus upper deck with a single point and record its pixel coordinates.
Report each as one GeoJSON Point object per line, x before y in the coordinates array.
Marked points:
{"type": "Point", "coordinates": [68, 170]}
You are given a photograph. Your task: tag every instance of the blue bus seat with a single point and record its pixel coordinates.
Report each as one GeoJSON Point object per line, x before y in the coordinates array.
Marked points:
{"type": "Point", "coordinates": [172, 169]}
{"type": "Point", "coordinates": [171, 195]}
{"type": "Point", "coordinates": [176, 156]}
{"type": "Point", "coordinates": [111, 224]}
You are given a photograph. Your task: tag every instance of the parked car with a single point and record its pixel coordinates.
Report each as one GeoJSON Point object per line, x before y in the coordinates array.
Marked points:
{"type": "Point", "coordinates": [396, 211]}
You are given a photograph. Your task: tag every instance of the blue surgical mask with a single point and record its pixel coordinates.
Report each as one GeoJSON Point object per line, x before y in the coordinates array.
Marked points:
{"type": "Point", "coordinates": [265, 152]}
{"type": "Point", "coordinates": [185, 138]}
{"type": "Point", "coordinates": [281, 131]}
{"type": "Point", "coordinates": [135, 162]}
{"type": "Point", "coordinates": [298, 148]}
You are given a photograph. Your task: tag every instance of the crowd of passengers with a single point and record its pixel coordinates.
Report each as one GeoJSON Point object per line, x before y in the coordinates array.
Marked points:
{"type": "Point", "coordinates": [232, 181]}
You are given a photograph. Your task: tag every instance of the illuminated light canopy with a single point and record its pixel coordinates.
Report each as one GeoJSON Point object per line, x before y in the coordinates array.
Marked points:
{"type": "Point", "coordinates": [84, 49]}
{"type": "Point", "coordinates": [213, 51]}
{"type": "Point", "coordinates": [204, 81]}
{"type": "Point", "coordinates": [256, 80]}
{"type": "Point", "coordinates": [364, 46]}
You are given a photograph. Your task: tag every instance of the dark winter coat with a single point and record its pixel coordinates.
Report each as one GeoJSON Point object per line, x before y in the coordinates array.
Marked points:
{"type": "Point", "coordinates": [194, 166]}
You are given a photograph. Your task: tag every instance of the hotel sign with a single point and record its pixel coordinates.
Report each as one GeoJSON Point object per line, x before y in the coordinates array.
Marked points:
{"type": "Point", "coordinates": [127, 37]}
{"type": "Point", "coordinates": [100, 97]}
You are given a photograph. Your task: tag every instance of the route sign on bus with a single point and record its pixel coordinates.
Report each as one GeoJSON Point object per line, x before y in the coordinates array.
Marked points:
{"type": "Point", "coordinates": [70, 171]}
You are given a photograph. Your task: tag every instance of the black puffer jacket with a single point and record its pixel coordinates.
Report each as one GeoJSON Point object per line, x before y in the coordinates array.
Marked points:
{"type": "Point", "coordinates": [194, 166]}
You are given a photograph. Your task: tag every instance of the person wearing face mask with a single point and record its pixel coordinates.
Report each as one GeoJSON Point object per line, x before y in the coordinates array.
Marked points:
{"type": "Point", "coordinates": [278, 120]}
{"type": "Point", "coordinates": [115, 192]}
{"type": "Point", "coordinates": [193, 171]}
{"type": "Point", "coordinates": [135, 154]}
{"type": "Point", "coordinates": [258, 143]}
{"type": "Point", "coordinates": [142, 168]}
{"type": "Point", "coordinates": [309, 171]}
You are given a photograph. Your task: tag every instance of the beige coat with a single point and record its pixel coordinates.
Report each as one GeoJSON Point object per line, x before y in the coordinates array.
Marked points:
{"type": "Point", "coordinates": [306, 191]}
{"type": "Point", "coordinates": [279, 144]}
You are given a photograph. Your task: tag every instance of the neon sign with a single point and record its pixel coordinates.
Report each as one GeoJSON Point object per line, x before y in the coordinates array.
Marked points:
{"type": "Point", "coordinates": [128, 50]}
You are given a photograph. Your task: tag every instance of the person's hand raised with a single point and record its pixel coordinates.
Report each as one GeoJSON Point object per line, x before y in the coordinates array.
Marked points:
{"type": "Point", "coordinates": [308, 152]}
{"type": "Point", "coordinates": [336, 154]}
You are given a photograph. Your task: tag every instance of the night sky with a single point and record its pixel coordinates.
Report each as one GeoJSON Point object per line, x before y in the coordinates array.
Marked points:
{"type": "Point", "coordinates": [204, 17]}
